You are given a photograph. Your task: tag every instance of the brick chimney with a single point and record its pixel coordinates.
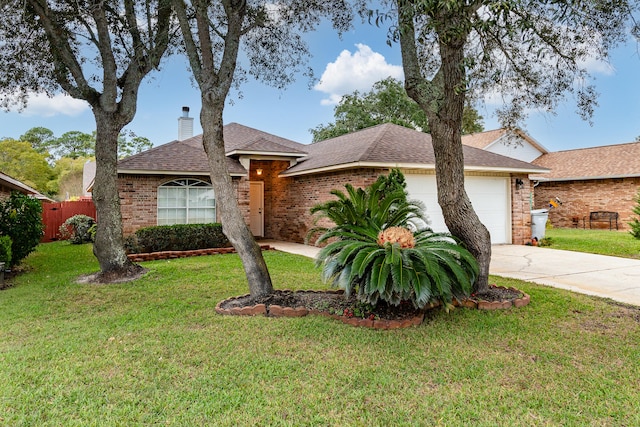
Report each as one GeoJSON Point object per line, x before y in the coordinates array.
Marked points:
{"type": "Point", "coordinates": [185, 125]}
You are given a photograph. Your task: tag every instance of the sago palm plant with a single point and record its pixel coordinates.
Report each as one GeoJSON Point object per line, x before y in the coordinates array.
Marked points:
{"type": "Point", "coordinates": [371, 250]}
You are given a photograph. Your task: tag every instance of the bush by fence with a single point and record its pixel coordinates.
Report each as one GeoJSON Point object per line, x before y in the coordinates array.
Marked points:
{"type": "Point", "coordinates": [179, 237]}
{"type": "Point", "coordinates": [77, 229]}
{"type": "Point", "coordinates": [21, 220]}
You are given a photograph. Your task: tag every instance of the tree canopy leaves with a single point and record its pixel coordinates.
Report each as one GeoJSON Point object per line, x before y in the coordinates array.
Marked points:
{"type": "Point", "coordinates": [387, 102]}
{"type": "Point", "coordinates": [20, 161]}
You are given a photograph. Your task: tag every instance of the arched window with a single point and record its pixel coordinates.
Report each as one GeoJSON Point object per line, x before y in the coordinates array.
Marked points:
{"type": "Point", "coordinates": [186, 201]}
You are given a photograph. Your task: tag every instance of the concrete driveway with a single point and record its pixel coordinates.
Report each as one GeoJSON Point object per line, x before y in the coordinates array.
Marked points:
{"type": "Point", "coordinates": [603, 276]}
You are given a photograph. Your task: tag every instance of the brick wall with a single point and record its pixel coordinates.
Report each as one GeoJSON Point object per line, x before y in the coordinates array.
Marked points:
{"type": "Point", "coordinates": [581, 197]}
{"type": "Point", "coordinates": [288, 200]}
{"type": "Point", "coordinates": [139, 199]}
{"type": "Point", "coordinates": [294, 196]}
{"type": "Point", "coordinates": [521, 200]}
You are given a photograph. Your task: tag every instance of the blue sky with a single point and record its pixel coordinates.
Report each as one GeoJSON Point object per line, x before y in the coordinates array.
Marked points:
{"type": "Point", "coordinates": [355, 61]}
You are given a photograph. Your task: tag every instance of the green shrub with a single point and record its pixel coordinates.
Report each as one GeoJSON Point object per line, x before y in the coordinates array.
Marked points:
{"type": "Point", "coordinates": [21, 219]}
{"type": "Point", "coordinates": [131, 245]}
{"type": "Point", "coordinates": [383, 202]}
{"type": "Point", "coordinates": [5, 250]}
{"type": "Point", "coordinates": [92, 231]}
{"type": "Point", "coordinates": [77, 229]}
{"type": "Point", "coordinates": [635, 223]}
{"type": "Point", "coordinates": [373, 253]}
{"type": "Point", "coordinates": [179, 237]}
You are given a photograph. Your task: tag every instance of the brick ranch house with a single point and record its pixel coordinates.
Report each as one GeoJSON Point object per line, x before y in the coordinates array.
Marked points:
{"type": "Point", "coordinates": [605, 178]}
{"type": "Point", "coordinates": [279, 180]}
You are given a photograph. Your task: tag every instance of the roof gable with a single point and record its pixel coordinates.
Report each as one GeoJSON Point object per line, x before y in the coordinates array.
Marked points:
{"type": "Point", "coordinates": [263, 145]}
{"type": "Point", "coordinates": [188, 156]}
{"type": "Point", "coordinates": [607, 161]}
{"type": "Point", "coordinates": [482, 140]}
{"type": "Point", "coordinates": [239, 137]}
{"type": "Point", "coordinates": [511, 143]}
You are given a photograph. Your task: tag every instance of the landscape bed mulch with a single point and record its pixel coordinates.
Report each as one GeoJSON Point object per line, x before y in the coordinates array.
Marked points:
{"type": "Point", "coordinates": [335, 304]}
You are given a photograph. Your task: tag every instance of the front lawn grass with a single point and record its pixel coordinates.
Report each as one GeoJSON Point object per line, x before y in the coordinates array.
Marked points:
{"type": "Point", "coordinates": [154, 352]}
{"type": "Point", "coordinates": [603, 242]}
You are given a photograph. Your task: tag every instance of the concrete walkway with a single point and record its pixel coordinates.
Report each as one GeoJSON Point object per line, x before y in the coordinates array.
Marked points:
{"type": "Point", "coordinates": [603, 276]}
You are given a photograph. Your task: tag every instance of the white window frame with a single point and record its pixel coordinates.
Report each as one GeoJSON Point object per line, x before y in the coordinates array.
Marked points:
{"type": "Point", "coordinates": [169, 207]}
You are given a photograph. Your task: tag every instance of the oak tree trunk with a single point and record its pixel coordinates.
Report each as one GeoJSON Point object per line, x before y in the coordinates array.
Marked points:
{"type": "Point", "coordinates": [446, 132]}
{"type": "Point", "coordinates": [233, 223]}
{"type": "Point", "coordinates": [442, 99]}
{"type": "Point", "coordinates": [108, 246]}
{"type": "Point", "coordinates": [459, 216]}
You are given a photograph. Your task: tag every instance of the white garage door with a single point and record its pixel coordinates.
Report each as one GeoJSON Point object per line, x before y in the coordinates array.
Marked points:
{"type": "Point", "coordinates": [489, 197]}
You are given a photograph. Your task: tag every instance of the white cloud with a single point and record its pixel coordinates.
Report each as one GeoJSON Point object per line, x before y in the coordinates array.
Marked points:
{"type": "Point", "coordinates": [597, 66]}
{"type": "Point", "coordinates": [40, 104]}
{"type": "Point", "coordinates": [357, 71]}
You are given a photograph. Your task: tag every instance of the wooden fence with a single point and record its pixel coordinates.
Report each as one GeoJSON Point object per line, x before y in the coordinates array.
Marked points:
{"type": "Point", "coordinates": [55, 214]}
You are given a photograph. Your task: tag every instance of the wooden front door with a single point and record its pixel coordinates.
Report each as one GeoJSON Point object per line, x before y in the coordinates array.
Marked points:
{"type": "Point", "coordinates": [256, 208]}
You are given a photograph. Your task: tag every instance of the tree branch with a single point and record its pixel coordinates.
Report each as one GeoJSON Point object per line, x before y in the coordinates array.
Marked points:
{"type": "Point", "coordinates": [190, 46]}
{"type": "Point", "coordinates": [109, 96]}
{"type": "Point", "coordinates": [65, 60]}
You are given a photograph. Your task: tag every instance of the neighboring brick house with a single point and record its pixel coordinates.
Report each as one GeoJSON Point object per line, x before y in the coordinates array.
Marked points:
{"type": "Point", "coordinates": [9, 184]}
{"type": "Point", "coordinates": [279, 180]}
{"type": "Point", "coordinates": [605, 178]}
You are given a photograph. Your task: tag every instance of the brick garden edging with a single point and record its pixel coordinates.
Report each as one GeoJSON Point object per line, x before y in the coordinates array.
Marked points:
{"type": "Point", "coordinates": [497, 305]}
{"type": "Point", "coordinates": [274, 310]}
{"type": "Point", "coordinates": [153, 256]}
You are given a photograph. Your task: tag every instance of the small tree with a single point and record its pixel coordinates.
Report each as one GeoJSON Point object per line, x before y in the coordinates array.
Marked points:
{"type": "Point", "coordinates": [21, 219]}
{"type": "Point", "coordinates": [40, 139]}
{"type": "Point", "coordinates": [635, 223]}
{"type": "Point", "coordinates": [373, 253]}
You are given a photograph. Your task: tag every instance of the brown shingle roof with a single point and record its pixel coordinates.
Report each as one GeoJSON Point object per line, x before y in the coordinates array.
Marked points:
{"type": "Point", "coordinates": [238, 137]}
{"type": "Point", "coordinates": [609, 161]}
{"type": "Point", "coordinates": [385, 145]}
{"type": "Point", "coordinates": [267, 146]}
{"type": "Point", "coordinates": [389, 145]}
{"type": "Point", "coordinates": [189, 156]}
{"type": "Point", "coordinates": [14, 184]}
{"type": "Point", "coordinates": [482, 139]}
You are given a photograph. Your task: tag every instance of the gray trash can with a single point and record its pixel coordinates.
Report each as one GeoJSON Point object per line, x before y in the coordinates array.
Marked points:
{"type": "Point", "coordinates": [539, 219]}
